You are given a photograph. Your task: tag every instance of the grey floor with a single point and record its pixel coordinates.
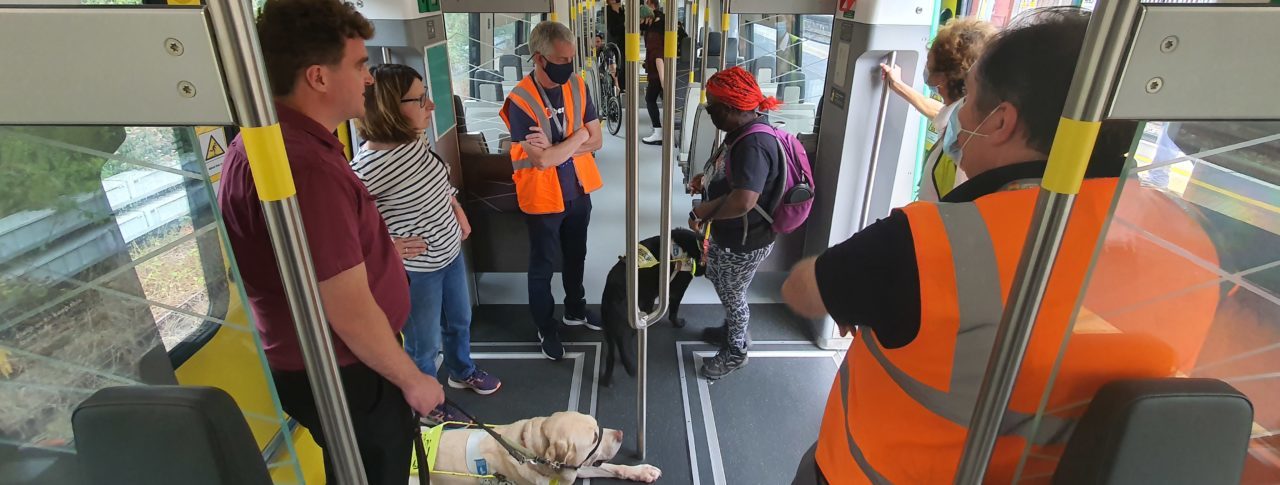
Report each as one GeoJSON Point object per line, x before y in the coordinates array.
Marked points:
{"type": "Point", "coordinates": [749, 428]}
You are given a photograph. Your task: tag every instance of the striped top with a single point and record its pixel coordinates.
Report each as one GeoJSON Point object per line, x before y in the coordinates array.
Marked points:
{"type": "Point", "coordinates": [410, 185]}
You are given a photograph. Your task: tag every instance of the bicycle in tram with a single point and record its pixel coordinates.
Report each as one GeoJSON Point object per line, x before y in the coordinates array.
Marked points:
{"type": "Point", "coordinates": [610, 91]}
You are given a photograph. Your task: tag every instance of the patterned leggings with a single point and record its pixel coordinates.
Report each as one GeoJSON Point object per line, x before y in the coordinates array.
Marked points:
{"type": "Point", "coordinates": [731, 273]}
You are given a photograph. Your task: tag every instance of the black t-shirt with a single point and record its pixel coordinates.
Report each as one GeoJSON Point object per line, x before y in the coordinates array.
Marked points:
{"type": "Point", "coordinates": [754, 163]}
{"type": "Point", "coordinates": [616, 24]}
{"type": "Point", "coordinates": [872, 279]}
{"type": "Point", "coordinates": [654, 41]}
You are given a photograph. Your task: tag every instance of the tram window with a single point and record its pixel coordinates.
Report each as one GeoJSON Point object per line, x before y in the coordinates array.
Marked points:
{"type": "Point", "coordinates": [109, 224]}
{"type": "Point", "coordinates": [788, 56]}
{"type": "Point", "coordinates": [1190, 266]}
{"type": "Point", "coordinates": [489, 54]}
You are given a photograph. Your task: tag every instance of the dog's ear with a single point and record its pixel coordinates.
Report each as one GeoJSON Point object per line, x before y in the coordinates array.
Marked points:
{"type": "Point", "coordinates": [533, 435]}
{"type": "Point", "coordinates": [558, 446]}
{"type": "Point", "coordinates": [562, 450]}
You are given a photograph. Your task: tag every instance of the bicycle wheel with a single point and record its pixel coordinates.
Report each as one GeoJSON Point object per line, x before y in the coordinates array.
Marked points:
{"type": "Point", "coordinates": [613, 113]}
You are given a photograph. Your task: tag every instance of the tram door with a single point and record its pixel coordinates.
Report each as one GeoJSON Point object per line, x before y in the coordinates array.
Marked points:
{"type": "Point", "coordinates": [866, 159]}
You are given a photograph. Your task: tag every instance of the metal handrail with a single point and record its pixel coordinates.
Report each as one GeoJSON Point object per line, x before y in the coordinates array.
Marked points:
{"type": "Point", "coordinates": [1099, 65]}
{"type": "Point", "coordinates": [875, 148]}
{"type": "Point", "coordinates": [241, 57]}
{"type": "Point", "coordinates": [632, 116]}
{"type": "Point", "coordinates": [724, 56]}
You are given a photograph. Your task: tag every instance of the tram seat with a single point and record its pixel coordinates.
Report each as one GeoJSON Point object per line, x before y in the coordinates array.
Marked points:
{"type": "Point", "coordinates": [491, 92]}
{"type": "Point", "coordinates": [489, 196]}
{"type": "Point", "coordinates": [789, 94]}
{"type": "Point", "coordinates": [1167, 431]}
{"type": "Point", "coordinates": [798, 117]}
{"type": "Point", "coordinates": [143, 435]}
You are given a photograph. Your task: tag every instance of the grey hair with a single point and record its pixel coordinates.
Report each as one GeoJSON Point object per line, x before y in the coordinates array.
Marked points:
{"type": "Point", "coordinates": [544, 36]}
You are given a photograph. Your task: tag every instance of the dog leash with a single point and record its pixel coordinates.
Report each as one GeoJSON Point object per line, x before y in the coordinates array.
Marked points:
{"type": "Point", "coordinates": [521, 454]}
{"type": "Point", "coordinates": [420, 451]}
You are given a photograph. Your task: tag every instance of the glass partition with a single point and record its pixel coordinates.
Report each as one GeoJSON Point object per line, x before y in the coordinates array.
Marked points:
{"type": "Point", "coordinates": [112, 272]}
{"type": "Point", "coordinates": [488, 55]}
{"type": "Point", "coordinates": [788, 56]}
{"type": "Point", "coordinates": [1186, 281]}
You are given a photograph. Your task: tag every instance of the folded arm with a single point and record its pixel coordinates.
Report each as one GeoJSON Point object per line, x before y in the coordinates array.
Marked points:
{"type": "Point", "coordinates": [544, 154]}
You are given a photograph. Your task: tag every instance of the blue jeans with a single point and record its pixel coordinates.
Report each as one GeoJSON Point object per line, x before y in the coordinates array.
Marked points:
{"type": "Point", "coordinates": [437, 294]}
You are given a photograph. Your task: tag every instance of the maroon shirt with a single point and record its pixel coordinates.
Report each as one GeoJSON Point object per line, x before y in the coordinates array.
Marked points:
{"type": "Point", "coordinates": [343, 230]}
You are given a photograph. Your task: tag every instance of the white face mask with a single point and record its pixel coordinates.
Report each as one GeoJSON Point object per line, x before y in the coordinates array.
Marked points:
{"type": "Point", "coordinates": [951, 139]}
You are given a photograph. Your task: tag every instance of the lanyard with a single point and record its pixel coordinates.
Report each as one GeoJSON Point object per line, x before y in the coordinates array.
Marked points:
{"type": "Point", "coordinates": [556, 116]}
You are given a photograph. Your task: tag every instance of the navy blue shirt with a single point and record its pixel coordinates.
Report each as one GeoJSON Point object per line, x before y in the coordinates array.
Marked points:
{"type": "Point", "coordinates": [754, 163]}
{"type": "Point", "coordinates": [521, 122]}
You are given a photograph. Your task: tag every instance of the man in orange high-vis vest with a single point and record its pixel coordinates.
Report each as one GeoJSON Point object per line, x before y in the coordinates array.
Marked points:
{"type": "Point", "coordinates": [924, 288]}
{"type": "Point", "coordinates": [554, 130]}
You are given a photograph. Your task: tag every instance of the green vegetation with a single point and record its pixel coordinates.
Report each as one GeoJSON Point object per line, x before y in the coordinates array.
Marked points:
{"type": "Point", "coordinates": [41, 176]}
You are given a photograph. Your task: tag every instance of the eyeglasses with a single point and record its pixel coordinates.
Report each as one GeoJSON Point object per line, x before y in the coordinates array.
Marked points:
{"type": "Point", "coordinates": [421, 100]}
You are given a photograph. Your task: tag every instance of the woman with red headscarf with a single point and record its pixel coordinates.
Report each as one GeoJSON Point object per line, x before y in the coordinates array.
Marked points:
{"type": "Point", "coordinates": [743, 173]}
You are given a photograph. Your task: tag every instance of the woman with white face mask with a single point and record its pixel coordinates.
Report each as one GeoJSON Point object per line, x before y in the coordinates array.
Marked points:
{"type": "Point", "coordinates": [952, 53]}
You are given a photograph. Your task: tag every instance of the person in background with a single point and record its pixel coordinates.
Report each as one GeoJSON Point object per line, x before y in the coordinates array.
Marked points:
{"type": "Point", "coordinates": [615, 23]}
{"type": "Point", "coordinates": [954, 50]}
{"type": "Point", "coordinates": [410, 186]}
{"type": "Point", "coordinates": [554, 132]}
{"type": "Point", "coordinates": [314, 52]}
{"type": "Point", "coordinates": [738, 177]}
{"type": "Point", "coordinates": [652, 27]}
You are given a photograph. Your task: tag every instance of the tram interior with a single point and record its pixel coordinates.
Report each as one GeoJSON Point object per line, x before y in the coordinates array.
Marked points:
{"type": "Point", "coordinates": [114, 267]}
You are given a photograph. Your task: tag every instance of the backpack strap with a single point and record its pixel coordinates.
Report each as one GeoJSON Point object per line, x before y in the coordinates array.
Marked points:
{"type": "Point", "coordinates": [785, 157]}
{"type": "Point", "coordinates": [782, 178]}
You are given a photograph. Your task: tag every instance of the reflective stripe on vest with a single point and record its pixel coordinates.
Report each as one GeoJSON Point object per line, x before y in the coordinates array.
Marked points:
{"type": "Point", "coordinates": [538, 190]}
{"type": "Point", "coordinates": [540, 116]}
{"type": "Point", "coordinates": [926, 392]}
{"type": "Point", "coordinates": [858, 458]}
{"type": "Point", "coordinates": [901, 415]}
{"type": "Point", "coordinates": [980, 307]}
{"type": "Point", "coordinates": [579, 106]}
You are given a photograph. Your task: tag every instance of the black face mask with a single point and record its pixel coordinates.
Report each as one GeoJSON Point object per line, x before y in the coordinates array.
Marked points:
{"type": "Point", "coordinates": [558, 73]}
{"type": "Point", "coordinates": [719, 115]}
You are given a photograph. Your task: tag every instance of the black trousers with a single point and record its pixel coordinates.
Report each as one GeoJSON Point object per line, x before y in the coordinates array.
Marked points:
{"type": "Point", "coordinates": [653, 92]}
{"type": "Point", "coordinates": [384, 423]}
{"type": "Point", "coordinates": [808, 473]}
{"type": "Point", "coordinates": [562, 235]}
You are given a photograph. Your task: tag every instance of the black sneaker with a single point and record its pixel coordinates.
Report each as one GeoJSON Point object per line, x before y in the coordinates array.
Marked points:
{"type": "Point", "coordinates": [588, 319]}
{"type": "Point", "coordinates": [551, 347]}
{"type": "Point", "coordinates": [724, 362]}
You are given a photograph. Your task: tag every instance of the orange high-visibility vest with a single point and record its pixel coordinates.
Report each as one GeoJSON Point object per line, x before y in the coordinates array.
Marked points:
{"type": "Point", "coordinates": [538, 190]}
{"type": "Point", "coordinates": [901, 415]}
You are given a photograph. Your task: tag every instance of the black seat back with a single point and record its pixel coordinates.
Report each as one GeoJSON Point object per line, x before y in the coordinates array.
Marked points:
{"type": "Point", "coordinates": [1167, 431]}
{"type": "Point", "coordinates": [143, 435]}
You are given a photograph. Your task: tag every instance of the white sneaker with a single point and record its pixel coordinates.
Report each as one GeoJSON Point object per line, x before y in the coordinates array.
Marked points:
{"type": "Point", "coordinates": [653, 139]}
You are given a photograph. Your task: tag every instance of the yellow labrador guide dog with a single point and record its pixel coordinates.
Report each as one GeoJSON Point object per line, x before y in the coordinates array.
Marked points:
{"type": "Point", "coordinates": [553, 450]}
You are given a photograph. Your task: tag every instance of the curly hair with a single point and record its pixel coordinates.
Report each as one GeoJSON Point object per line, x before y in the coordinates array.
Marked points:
{"type": "Point", "coordinates": [738, 89]}
{"type": "Point", "coordinates": [956, 49]}
{"type": "Point", "coordinates": [383, 121]}
{"type": "Point", "coordinates": [297, 34]}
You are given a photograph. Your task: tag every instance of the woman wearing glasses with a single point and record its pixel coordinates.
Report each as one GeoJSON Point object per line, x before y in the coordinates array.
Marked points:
{"type": "Point", "coordinates": [411, 186]}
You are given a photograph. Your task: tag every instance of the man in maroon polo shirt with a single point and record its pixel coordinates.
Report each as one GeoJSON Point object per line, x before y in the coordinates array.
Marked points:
{"type": "Point", "coordinates": [315, 56]}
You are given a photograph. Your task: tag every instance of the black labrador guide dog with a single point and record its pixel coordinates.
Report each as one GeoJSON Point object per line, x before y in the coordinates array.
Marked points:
{"type": "Point", "coordinates": [686, 263]}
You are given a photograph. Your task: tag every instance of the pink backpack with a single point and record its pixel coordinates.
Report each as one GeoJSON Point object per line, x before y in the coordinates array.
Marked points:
{"type": "Point", "coordinates": [796, 197]}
